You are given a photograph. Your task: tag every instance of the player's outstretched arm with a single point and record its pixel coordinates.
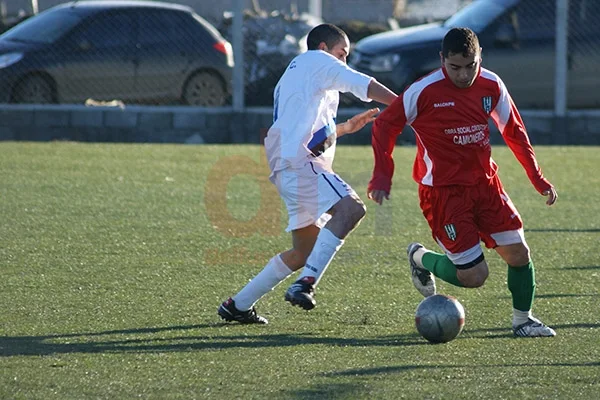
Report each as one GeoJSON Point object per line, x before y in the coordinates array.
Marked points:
{"type": "Point", "coordinates": [357, 122]}
{"type": "Point", "coordinates": [380, 93]}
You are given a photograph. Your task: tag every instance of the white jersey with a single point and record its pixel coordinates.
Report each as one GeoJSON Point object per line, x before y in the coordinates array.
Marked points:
{"type": "Point", "coordinates": [306, 100]}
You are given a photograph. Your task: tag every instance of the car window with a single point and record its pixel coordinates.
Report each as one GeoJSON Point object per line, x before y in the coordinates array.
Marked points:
{"type": "Point", "coordinates": [156, 27]}
{"type": "Point", "coordinates": [46, 27]}
{"type": "Point", "coordinates": [584, 18]}
{"type": "Point", "coordinates": [476, 15]}
{"type": "Point", "coordinates": [107, 30]}
{"type": "Point", "coordinates": [207, 28]}
{"type": "Point", "coordinates": [534, 21]}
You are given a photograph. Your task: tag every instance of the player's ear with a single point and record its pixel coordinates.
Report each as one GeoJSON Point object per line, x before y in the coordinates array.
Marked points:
{"type": "Point", "coordinates": [441, 58]}
{"type": "Point", "coordinates": [323, 46]}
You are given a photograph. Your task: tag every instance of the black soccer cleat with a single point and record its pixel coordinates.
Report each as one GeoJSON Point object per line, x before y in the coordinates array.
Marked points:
{"type": "Point", "coordinates": [301, 293]}
{"type": "Point", "coordinates": [229, 313]}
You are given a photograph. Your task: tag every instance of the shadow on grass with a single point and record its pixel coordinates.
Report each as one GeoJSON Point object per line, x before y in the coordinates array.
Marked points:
{"type": "Point", "coordinates": [403, 368]}
{"type": "Point", "coordinates": [556, 295]}
{"type": "Point", "coordinates": [559, 295]}
{"type": "Point", "coordinates": [590, 230]}
{"type": "Point", "coordinates": [155, 340]}
{"type": "Point", "coordinates": [582, 267]}
{"type": "Point", "coordinates": [329, 391]}
{"type": "Point", "coordinates": [111, 342]}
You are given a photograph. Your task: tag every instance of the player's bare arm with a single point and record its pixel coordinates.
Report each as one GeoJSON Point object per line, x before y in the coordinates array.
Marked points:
{"type": "Point", "coordinates": [356, 123]}
{"type": "Point", "coordinates": [380, 93]}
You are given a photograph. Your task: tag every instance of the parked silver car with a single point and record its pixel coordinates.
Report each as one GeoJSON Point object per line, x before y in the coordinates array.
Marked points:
{"type": "Point", "coordinates": [518, 38]}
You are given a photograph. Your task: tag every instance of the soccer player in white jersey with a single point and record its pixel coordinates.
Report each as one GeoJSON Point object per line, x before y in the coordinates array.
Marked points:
{"type": "Point", "coordinates": [300, 147]}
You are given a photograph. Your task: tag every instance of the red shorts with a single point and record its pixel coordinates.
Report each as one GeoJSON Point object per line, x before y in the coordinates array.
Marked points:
{"type": "Point", "coordinates": [460, 217]}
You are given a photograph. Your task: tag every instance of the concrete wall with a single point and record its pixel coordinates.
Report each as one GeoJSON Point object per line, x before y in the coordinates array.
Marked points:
{"type": "Point", "coordinates": [222, 125]}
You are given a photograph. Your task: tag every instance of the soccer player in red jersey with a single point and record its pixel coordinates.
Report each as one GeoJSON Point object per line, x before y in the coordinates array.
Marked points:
{"type": "Point", "coordinates": [460, 193]}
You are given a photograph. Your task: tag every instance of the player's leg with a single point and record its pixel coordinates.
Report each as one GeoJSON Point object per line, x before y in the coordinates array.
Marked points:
{"type": "Point", "coordinates": [467, 269]}
{"type": "Point", "coordinates": [521, 283]}
{"type": "Point", "coordinates": [449, 213]}
{"type": "Point", "coordinates": [339, 200]}
{"type": "Point", "coordinates": [241, 306]}
{"type": "Point", "coordinates": [346, 214]}
{"type": "Point", "coordinates": [503, 230]}
{"type": "Point", "coordinates": [303, 241]}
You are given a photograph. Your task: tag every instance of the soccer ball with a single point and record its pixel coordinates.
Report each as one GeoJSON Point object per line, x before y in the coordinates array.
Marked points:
{"type": "Point", "coordinates": [440, 318]}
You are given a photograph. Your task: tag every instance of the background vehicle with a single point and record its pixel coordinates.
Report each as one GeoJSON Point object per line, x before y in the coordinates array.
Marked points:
{"type": "Point", "coordinates": [518, 40]}
{"type": "Point", "coordinates": [134, 51]}
{"type": "Point", "coordinates": [271, 41]}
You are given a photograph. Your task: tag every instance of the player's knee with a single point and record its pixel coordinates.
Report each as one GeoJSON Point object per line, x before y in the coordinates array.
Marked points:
{"type": "Point", "coordinates": [358, 212]}
{"type": "Point", "coordinates": [351, 209]}
{"type": "Point", "coordinates": [354, 210]}
{"type": "Point", "coordinates": [518, 256]}
{"type": "Point", "coordinates": [473, 277]}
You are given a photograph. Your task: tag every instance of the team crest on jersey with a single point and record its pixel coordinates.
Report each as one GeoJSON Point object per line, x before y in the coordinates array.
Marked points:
{"type": "Point", "coordinates": [450, 231]}
{"type": "Point", "coordinates": [486, 102]}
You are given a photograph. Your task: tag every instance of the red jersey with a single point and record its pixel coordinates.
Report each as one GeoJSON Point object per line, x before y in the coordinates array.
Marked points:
{"type": "Point", "coordinates": [452, 132]}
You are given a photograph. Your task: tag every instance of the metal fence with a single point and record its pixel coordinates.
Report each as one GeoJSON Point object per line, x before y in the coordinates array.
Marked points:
{"type": "Point", "coordinates": [546, 51]}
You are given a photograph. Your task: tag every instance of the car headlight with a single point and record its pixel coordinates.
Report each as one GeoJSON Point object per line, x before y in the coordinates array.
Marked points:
{"type": "Point", "coordinates": [9, 59]}
{"type": "Point", "coordinates": [384, 63]}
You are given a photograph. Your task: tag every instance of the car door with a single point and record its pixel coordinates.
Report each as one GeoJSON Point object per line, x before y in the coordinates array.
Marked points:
{"type": "Point", "coordinates": [100, 65]}
{"type": "Point", "coordinates": [519, 47]}
{"type": "Point", "coordinates": [162, 58]}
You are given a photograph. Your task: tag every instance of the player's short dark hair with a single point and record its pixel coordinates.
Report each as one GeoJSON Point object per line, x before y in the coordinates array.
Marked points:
{"type": "Point", "coordinates": [460, 41]}
{"type": "Point", "coordinates": [328, 33]}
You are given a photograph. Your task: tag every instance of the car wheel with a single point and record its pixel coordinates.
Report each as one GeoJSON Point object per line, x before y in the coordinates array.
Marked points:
{"type": "Point", "coordinates": [34, 89]}
{"type": "Point", "coordinates": [204, 89]}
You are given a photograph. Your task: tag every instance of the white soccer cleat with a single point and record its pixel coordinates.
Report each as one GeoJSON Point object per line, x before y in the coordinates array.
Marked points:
{"type": "Point", "coordinates": [533, 328]}
{"type": "Point", "coordinates": [421, 278]}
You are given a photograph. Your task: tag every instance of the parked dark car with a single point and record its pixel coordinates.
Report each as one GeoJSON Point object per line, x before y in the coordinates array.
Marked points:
{"type": "Point", "coordinates": [518, 38]}
{"type": "Point", "coordinates": [134, 51]}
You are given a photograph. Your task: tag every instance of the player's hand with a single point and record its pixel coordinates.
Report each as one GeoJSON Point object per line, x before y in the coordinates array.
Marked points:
{"type": "Point", "coordinates": [357, 122]}
{"type": "Point", "coordinates": [552, 196]}
{"type": "Point", "coordinates": [378, 195]}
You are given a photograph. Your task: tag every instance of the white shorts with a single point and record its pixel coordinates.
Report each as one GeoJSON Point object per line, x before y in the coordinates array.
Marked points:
{"type": "Point", "coordinates": [309, 192]}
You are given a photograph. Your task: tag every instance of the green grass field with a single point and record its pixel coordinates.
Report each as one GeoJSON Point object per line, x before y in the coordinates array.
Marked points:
{"type": "Point", "coordinates": [114, 259]}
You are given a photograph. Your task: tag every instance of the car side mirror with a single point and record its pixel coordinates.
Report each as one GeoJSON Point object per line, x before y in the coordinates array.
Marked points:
{"type": "Point", "coordinates": [506, 36]}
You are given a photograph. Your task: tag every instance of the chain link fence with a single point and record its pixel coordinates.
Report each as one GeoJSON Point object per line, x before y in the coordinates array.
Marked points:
{"type": "Point", "coordinates": [98, 52]}
{"type": "Point", "coordinates": [270, 41]}
{"type": "Point", "coordinates": [166, 58]}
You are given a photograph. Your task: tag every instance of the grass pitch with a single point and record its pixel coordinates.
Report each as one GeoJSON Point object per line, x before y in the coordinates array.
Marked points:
{"type": "Point", "coordinates": [114, 259]}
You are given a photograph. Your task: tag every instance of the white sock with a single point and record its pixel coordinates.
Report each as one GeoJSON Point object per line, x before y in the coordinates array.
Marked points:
{"type": "Point", "coordinates": [272, 274]}
{"type": "Point", "coordinates": [326, 246]}
{"type": "Point", "coordinates": [418, 256]}
{"type": "Point", "coordinates": [520, 317]}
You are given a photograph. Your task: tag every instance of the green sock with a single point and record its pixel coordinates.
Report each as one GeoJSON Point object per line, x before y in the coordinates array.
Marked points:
{"type": "Point", "coordinates": [521, 283]}
{"type": "Point", "coordinates": [441, 266]}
